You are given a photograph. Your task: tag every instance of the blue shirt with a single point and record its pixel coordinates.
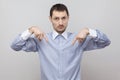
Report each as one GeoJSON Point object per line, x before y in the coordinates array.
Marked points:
{"type": "Point", "coordinates": [59, 59]}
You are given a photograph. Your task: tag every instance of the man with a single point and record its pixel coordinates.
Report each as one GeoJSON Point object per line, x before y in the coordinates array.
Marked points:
{"type": "Point", "coordinates": [60, 51]}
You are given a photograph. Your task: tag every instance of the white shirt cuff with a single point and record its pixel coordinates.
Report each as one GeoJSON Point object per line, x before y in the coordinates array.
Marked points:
{"type": "Point", "coordinates": [92, 33]}
{"type": "Point", "coordinates": [25, 35]}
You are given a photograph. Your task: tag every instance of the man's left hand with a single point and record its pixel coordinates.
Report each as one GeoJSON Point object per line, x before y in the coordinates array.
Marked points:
{"type": "Point", "coordinates": [80, 37]}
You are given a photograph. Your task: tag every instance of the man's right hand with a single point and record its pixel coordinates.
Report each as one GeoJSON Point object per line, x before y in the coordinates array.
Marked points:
{"type": "Point", "coordinates": [38, 33]}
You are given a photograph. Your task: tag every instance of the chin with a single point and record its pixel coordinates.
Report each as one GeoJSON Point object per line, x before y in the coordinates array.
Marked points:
{"type": "Point", "coordinates": [61, 31]}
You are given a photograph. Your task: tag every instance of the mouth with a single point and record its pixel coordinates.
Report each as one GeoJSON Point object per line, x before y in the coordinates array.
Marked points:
{"type": "Point", "coordinates": [61, 27]}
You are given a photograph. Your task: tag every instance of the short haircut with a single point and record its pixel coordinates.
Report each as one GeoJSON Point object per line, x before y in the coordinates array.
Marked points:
{"type": "Point", "coordinates": [58, 7]}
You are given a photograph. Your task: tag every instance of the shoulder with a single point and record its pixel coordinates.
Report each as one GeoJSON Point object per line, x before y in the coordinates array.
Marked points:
{"type": "Point", "coordinates": [49, 34]}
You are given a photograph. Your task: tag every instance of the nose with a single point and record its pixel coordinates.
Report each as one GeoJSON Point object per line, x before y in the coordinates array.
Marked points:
{"type": "Point", "coordinates": [60, 22]}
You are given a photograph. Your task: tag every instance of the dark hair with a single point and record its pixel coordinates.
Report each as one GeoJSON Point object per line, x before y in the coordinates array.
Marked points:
{"type": "Point", "coordinates": [58, 7]}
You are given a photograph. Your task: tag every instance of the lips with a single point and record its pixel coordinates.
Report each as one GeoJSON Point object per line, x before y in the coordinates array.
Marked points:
{"type": "Point", "coordinates": [61, 27]}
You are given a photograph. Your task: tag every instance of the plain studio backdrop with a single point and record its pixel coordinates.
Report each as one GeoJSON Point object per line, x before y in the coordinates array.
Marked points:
{"type": "Point", "coordinates": [18, 15]}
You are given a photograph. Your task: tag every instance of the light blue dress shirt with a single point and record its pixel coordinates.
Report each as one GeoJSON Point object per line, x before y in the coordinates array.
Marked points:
{"type": "Point", "coordinates": [59, 59]}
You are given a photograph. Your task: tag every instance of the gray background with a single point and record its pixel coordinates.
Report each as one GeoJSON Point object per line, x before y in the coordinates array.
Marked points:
{"type": "Point", "coordinates": [17, 15]}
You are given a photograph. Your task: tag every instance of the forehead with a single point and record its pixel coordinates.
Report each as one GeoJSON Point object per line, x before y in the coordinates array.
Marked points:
{"type": "Point", "coordinates": [59, 13]}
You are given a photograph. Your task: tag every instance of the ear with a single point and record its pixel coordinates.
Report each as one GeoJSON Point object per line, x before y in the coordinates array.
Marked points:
{"type": "Point", "coordinates": [50, 18]}
{"type": "Point", "coordinates": [68, 17]}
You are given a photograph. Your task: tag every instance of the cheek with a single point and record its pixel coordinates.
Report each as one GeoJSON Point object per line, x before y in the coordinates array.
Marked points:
{"type": "Point", "coordinates": [66, 23]}
{"type": "Point", "coordinates": [55, 24]}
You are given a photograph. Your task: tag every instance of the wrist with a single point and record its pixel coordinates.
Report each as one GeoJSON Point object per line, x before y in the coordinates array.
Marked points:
{"type": "Point", "coordinates": [31, 30]}
{"type": "Point", "coordinates": [86, 31]}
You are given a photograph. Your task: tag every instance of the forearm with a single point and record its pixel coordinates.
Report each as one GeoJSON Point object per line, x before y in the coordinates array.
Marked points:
{"type": "Point", "coordinates": [17, 43]}
{"type": "Point", "coordinates": [100, 40]}
{"type": "Point", "coordinates": [24, 42]}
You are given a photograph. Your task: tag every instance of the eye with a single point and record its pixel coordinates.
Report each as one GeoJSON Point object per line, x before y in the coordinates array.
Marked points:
{"type": "Point", "coordinates": [63, 18]}
{"type": "Point", "coordinates": [56, 18]}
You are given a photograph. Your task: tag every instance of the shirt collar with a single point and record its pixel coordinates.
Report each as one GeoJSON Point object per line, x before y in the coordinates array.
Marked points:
{"type": "Point", "coordinates": [55, 34]}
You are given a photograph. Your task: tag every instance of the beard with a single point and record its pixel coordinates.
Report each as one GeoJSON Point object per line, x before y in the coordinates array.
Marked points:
{"type": "Point", "coordinates": [60, 29]}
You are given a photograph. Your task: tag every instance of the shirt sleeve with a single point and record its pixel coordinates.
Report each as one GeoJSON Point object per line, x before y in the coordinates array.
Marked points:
{"type": "Point", "coordinates": [25, 35]}
{"type": "Point", "coordinates": [96, 40]}
{"type": "Point", "coordinates": [24, 41]}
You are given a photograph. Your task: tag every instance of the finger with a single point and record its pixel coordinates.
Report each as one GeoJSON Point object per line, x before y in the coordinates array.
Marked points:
{"type": "Point", "coordinates": [74, 41]}
{"type": "Point", "coordinates": [39, 38]}
{"type": "Point", "coordinates": [45, 37]}
{"type": "Point", "coordinates": [80, 40]}
{"type": "Point", "coordinates": [37, 35]}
